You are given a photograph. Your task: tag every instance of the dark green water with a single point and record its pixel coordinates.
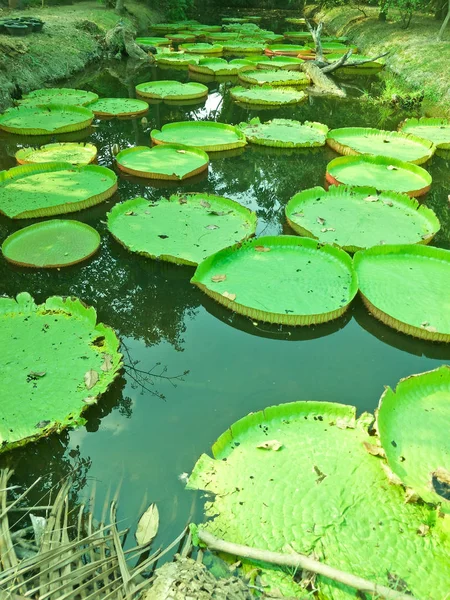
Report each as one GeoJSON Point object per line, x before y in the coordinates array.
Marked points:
{"type": "Point", "coordinates": [141, 439]}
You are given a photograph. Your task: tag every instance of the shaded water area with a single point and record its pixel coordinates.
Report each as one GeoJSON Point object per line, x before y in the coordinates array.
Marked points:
{"type": "Point", "coordinates": [146, 431]}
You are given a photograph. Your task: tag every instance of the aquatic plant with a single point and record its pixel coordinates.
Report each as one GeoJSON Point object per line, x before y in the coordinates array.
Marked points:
{"type": "Point", "coordinates": [70, 152]}
{"type": "Point", "coordinates": [206, 135]}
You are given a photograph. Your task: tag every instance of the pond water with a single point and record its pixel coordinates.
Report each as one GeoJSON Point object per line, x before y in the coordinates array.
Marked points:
{"type": "Point", "coordinates": [148, 430]}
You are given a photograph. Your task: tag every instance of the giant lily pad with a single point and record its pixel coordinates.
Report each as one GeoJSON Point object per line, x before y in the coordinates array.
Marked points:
{"type": "Point", "coordinates": [172, 90]}
{"type": "Point", "coordinates": [171, 161]}
{"type": "Point", "coordinates": [42, 120]}
{"type": "Point", "coordinates": [55, 243]}
{"type": "Point", "coordinates": [285, 133]}
{"type": "Point", "coordinates": [40, 190]}
{"type": "Point", "coordinates": [56, 361]}
{"type": "Point", "coordinates": [220, 66]}
{"type": "Point", "coordinates": [356, 217]}
{"type": "Point", "coordinates": [266, 95]}
{"type": "Point", "coordinates": [184, 229]}
{"type": "Point", "coordinates": [381, 172]}
{"type": "Point", "coordinates": [274, 77]}
{"type": "Point", "coordinates": [297, 478]}
{"type": "Point", "coordinates": [287, 49]}
{"type": "Point", "coordinates": [434, 129]}
{"type": "Point", "coordinates": [206, 135]}
{"type": "Point", "coordinates": [288, 63]}
{"type": "Point", "coordinates": [280, 279]}
{"type": "Point", "coordinates": [181, 37]}
{"type": "Point", "coordinates": [408, 288]}
{"type": "Point", "coordinates": [362, 140]}
{"type": "Point", "coordinates": [334, 48]}
{"type": "Point", "coordinates": [176, 59]}
{"type": "Point", "coordinates": [65, 96]}
{"type": "Point", "coordinates": [118, 107]}
{"type": "Point", "coordinates": [298, 36]}
{"type": "Point", "coordinates": [71, 152]}
{"type": "Point", "coordinates": [413, 427]}
{"type": "Point", "coordinates": [202, 48]}
{"type": "Point", "coordinates": [152, 41]}
{"type": "Point", "coordinates": [237, 47]}
{"type": "Point", "coordinates": [223, 36]}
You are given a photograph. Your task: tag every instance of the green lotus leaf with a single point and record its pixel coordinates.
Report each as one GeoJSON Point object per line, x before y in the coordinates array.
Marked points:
{"type": "Point", "coordinates": [200, 27]}
{"type": "Point", "coordinates": [181, 37]}
{"type": "Point", "coordinates": [56, 361]}
{"type": "Point", "coordinates": [223, 36]}
{"type": "Point", "coordinates": [408, 288]}
{"type": "Point", "coordinates": [42, 120]}
{"type": "Point", "coordinates": [70, 152]}
{"type": "Point", "coordinates": [334, 48]}
{"type": "Point", "coordinates": [220, 66]}
{"type": "Point", "coordinates": [354, 218]}
{"type": "Point", "coordinates": [280, 279]}
{"type": "Point", "coordinates": [298, 36]}
{"type": "Point", "coordinates": [320, 492]}
{"type": "Point", "coordinates": [172, 90]}
{"type": "Point", "coordinates": [152, 41]}
{"type": "Point", "coordinates": [202, 48]}
{"type": "Point", "coordinates": [381, 172]}
{"type": "Point", "coordinates": [206, 135]}
{"type": "Point", "coordinates": [65, 96]}
{"type": "Point", "coordinates": [373, 64]}
{"type": "Point", "coordinates": [295, 20]}
{"type": "Point", "coordinates": [287, 49]}
{"type": "Point", "coordinates": [166, 27]}
{"type": "Point", "coordinates": [180, 59]}
{"type": "Point", "coordinates": [285, 133]}
{"type": "Point", "coordinates": [45, 189]}
{"type": "Point", "coordinates": [242, 47]}
{"type": "Point", "coordinates": [184, 229]}
{"type": "Point", "coordinates": [274, 78]}
{"type": "Point", "coordinates": [235, 19]}
{"type": "Point", "coordinates": [289, 63]}
{"type": "Point", "coordinates": [434, 129]}
{"type": "Point", "coordinates": [412, 422]}
{"type": "Point", "coordinates": [256, 61]}
{"type": "Point", "coordinates": [55, 243]}
{"type": "Point", "coordinates": [118, 107]}
{"type": "Point", "coordinates": [170, 161]}
{"type": "Point", "coordinates": [267, 96]}
{"type": "Point", "coordinates": [364, 140]}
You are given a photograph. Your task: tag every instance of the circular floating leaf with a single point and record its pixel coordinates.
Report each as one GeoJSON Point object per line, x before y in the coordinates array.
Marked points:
{"type": "Point", "coordinates": [284, 279]}
{"type": "Point", "coordinates": [381, 172]}
{"type": "Point", "coordinates": [63, 96]}
{"type": "Point", "coordinates": [206, 135]}
{"type": "Point", "coordinates": [184, 229]}
{"type": "Point", "coordinates": [412, 422]}
{"type": "Point", "coordinates": [362, 140]}
{"type": "Point", "coordinates": [42, 190]}
{"type": "Point", "coordinates": [295, 20]}
{"type": "Point", "coordinates": [287, 49]}
{"type": "Point", "coordinates": [267, 95]}
{"type": "Point", "coordinates": [360, 217]}
{"type": "Point", "coordinates": [42, 120]}
{"type": "Point", "coordinates": [118, 107]}
{"type": "Point", "coordinates": [70, 152]}
{"type": "Point", "coordinates": [408, 288]}
{"type": "Point", "coordinates": [181, 36]}
{"type": "Point", "coordinates": [152, 41]}
{"type": "Point", "coordinates": [171, 90]}
{"type": "Point", "coordinates": [288, 63]}
{"type": "Point", "coordinates": [285, 133]}
{"type": "Point", "coordinates": [220, 66]}
{"type": "Point", "coordinates": [202, 48]}
{"type": "Point", "coordinates": [242, 47]}
{"type": "Point", "coordinates": [298, 36]}
{"type": "Point", "coordinates": [222, 36]}
{"type": "Point", "coordinates": [172, 161]}
{"type": "Point", "coordinates": [56, 360]}
{"type": "Point", "coordinates": [274, 78]}
{"type": "Point", "coordinates": [433, 129]}
{"type": "Point", "coordinates": [334, 48]}
{"type": "Point", "coordinates": [179, 59]}
{"type": "Point", "coordinates": [320, 492]}
{"type": "Point", "coordinates": [55, 243]}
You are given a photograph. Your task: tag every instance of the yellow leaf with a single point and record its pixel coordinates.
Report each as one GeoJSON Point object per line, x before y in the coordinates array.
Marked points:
{"type": "Point", "coordinates": [90, 379]}
{"type": "Point", "coordinates": [148, 525]}
{"type": "Point", "coordinates": [231, 297]}
{"type": "Point", "coordinates": [218, 278]}
{"type": "Point", "coordinates": [274, 445]}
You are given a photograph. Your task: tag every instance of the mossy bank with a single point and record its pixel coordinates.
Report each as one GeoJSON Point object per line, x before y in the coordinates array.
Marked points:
{"type": "Point", "coordinates": [73, 36]}
{"type": "Point", "coordinates": [416, 59]}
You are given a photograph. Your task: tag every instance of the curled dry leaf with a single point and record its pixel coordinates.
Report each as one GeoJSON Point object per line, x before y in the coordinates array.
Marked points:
{"type": "Point", "coordinates": [107, 363]}
{"type": "Point", "coordinates": [298, 214]}
{"type": "Point", "coordinates": [90, 378]}
{"type": "Point", "coordinates": [148, 525]}
{"type": "Point", "coordinates": [274, 445]}
{"type": "Point", "coordinates": [130, 213]}
{"type": "Point", "coordinates": [430, 328]}
{"type": "Point", "coordinates": [423, 530]}
{"type": "Point", "coordinates": [391, 168]}
{"type": "Point", "coordinates": [205, 204]}
{"type": "Point", "coordinates": [90, 400]}
{"type": "Point", "coordinates": [321, 220]}
{"type": "Point", "coordinates": [411, 497]}
{"type": "Point", "coordinates": [374, 449]}
{"type": "Point", "coordinates": [181, 151]}
{"type": "Point", "coordinates": [262, 249]}
{"type": "Point", "coordinates": [218, 278]}
{"type": "Point", "coordinates": [426, 236]}
{"type": "Point", "coordinates": [392, 477]}
{"type": "Point", "coordinates": [231, 297]}
{"type": "Point", "coordinates": [388, 202]}
{"type": "Point", "coordinates": [371, 199]}
{"type": "Point", "coordinates": [182, 200]}
{"type": "Point", "coordinates": [325, 229]}
{"type": "Point", "coordinates": [442, 475]}
{"type": "Point", "coordinates": [212, 227]}
{"type": "Point", "coordinates": [220, 213]}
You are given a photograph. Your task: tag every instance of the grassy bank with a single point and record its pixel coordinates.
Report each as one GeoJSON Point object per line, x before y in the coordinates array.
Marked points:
{"type": "Point", "coordinates": [416, 59]}
{"type": "Point", "coordinates": [72, 38]}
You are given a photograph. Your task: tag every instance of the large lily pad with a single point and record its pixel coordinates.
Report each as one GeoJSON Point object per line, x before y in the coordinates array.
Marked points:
{"type": "Point", "coordinates": [180, 37]}
{"type": "Point", "coordinates": [220, 66]}
{"type": "Point", "coordinates": [71, 152]}
{"type": "Point", "coordinates": [184, 229]}
{"type": "Point", "coordinates": [297, 477]}
{"type": "Point", "coordinates": [171, 161]}
{"type": "Point", "coordinates": [41, 190]}
{"type": "Point", "coordinates": [287, 49]}
{"type": "Point", "coordinates": [363, 140]}
{"type": "Point", "coordinates": [381, 172]}
{"type": "Point", "coordinates": [408, 288]}
{"type": "Point", "coordinates": [51, 244]}
{"type": "Point", "coordinates": [267, 95]}
{"type": "Point", "coordinates": [42, 120]}
{"type": "Point", "coordinates": [201, 48]}
{"type": "Point", "coordinates": [360, 217]}
{"type": "Point", "coordinates": [413, 427]}
{"type": "Point", "coordinates": [238, 47]}
{"type": "Point", "coordinates": [152, 41]}
{"type": "Point", "coordinates": [280, 279]}
{"type": "Point", "coordinates": [288, 63]}
{"type": "Point", "coordinates": [118, 107]}
{"type": "Point", "coordinates": [298, 36]}
{"type": "Point", "coordinates": [206, 135]}
{"type": "Point", "coordinates": [176, 59]}
{"type": "Point", "coordinates": [167, 89]}
{"type": "Point", "coordinates": [274, 77]}
{"type": "Point", "coordinates": [434, 129]}
{"type": "Point", "coordinates": [65, 96]}
{"type": "Point", "coordinates": [56, 361]}
{"type": "Point", "coordinates": [285, 133]}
